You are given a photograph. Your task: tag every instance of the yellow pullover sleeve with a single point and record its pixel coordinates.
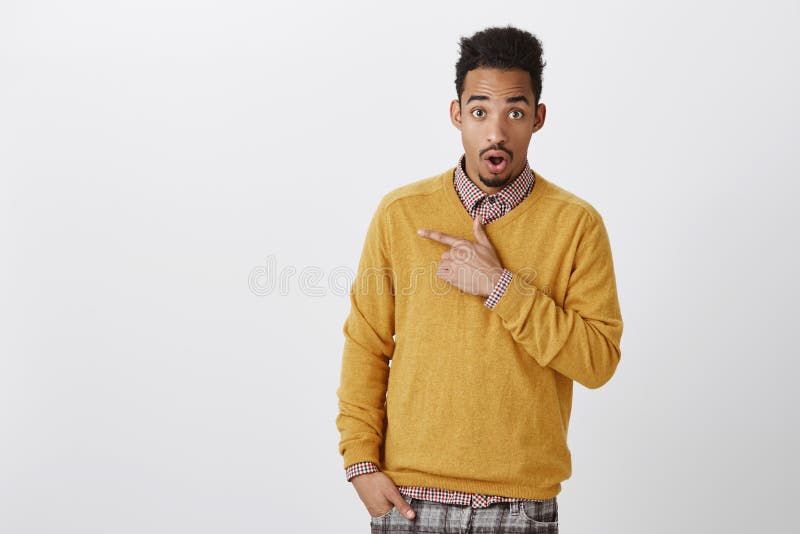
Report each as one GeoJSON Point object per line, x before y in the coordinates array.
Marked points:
{"type": "Point", "coordinates": [580, 340]}
{"type": "Point", "coordinates": [369, 344]}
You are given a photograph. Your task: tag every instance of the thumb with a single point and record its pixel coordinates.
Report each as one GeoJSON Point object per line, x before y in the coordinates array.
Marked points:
{"type": "Point", "coordinates": [480, 232]}
{"type": "Point", "coordinates": [403, 507]}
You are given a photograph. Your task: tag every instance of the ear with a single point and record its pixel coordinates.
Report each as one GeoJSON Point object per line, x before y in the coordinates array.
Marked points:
{"type": "Point", "coordinates": [455, 113]}
{"type": "Point", "coordinates": [541, 112]}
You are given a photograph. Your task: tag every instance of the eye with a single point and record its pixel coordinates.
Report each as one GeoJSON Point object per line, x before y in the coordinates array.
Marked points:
{"type": "Point", "coordinates": [516, 114]}
{"type": "Point", "coordinates": [478, 113]}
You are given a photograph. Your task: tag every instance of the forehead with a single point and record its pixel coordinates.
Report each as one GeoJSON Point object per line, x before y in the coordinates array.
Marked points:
{"type": "Point", "coordinates": [499, 83]}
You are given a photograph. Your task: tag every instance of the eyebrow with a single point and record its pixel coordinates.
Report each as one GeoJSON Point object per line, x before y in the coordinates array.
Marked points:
{"type": "Point", "coordinates": [521, 98]}
{"type": "Point", "coordinates": [510, 100]}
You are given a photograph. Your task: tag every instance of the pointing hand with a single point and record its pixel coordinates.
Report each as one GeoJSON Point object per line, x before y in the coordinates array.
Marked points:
{"type": "Point", "coordinates": [472, 267]}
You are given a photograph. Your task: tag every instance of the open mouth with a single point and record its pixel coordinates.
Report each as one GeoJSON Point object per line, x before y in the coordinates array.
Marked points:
{"type": "Point", "coordinates": [496, 161]}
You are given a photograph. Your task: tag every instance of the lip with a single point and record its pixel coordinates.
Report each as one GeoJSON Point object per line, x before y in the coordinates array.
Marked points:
{"type": "Point", "coordinates": [495, 154]}
{"type": "Point", "coordinates": [498, 167]}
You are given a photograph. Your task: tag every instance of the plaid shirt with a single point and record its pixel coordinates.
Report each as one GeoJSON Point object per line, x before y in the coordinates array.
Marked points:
{"type": "Point", "coordinates": [490, 207]}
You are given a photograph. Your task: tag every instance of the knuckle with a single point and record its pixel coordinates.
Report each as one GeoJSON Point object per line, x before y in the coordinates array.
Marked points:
{"type": "Point", "coordinates": [462, 254]}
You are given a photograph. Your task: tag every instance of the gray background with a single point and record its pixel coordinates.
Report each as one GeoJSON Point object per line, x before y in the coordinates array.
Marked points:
{"type": "Point", "coordinates": [156, 156]}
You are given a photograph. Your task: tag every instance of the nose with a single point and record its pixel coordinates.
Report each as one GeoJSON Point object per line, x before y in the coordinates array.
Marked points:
{"type": "Point", "coordinates": [496, 131]}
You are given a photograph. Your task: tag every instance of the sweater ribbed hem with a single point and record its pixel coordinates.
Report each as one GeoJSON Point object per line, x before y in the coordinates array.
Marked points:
{"type": "Point", "coordinates": [412, 478]}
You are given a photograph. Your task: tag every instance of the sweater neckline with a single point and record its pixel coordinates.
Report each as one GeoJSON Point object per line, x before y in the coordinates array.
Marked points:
{"type": "Point", "coordinates": [450, 192]}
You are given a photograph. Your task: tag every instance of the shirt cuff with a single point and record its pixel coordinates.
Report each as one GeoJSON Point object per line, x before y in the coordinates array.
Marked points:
{"type": "Point", "coordinates": [499, 288]}
{"type": "Point", "coordinates": [360, 468]}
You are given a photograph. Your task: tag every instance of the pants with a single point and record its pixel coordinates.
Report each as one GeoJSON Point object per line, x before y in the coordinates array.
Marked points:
{"type": "Point", "coordinates": [523, 517]}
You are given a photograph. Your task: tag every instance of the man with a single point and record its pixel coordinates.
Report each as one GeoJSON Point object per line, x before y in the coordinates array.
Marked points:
{"type": "Point", "coordinates": [481, 294]}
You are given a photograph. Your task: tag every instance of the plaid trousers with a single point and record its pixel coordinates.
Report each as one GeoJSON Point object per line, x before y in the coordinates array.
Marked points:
{"type": "Point", "coordinates": [521, 517]}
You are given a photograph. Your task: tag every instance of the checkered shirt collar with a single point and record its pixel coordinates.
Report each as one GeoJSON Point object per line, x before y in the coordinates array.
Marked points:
{"type": "Point", "coordinates": [512, 194]}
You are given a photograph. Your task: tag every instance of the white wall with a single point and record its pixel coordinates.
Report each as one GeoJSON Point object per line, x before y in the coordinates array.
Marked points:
{"type": "Point", "coordinates": [155, 154]}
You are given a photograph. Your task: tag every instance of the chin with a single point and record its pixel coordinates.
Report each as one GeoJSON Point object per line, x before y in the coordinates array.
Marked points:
{"type": "Point", "coordinates": [495, 181]}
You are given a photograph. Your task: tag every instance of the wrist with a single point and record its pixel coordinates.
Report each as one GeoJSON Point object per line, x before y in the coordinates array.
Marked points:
{"type": "Point", "coordinates": [494, 279]}
{"type": "Point", "coordinates": [499, 289]}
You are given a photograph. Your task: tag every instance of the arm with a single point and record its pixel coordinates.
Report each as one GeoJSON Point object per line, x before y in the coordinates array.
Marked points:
{"type": "Point", "coordinates": [368, 346]}
{"type": "Point", "coordinates": [581, 339]}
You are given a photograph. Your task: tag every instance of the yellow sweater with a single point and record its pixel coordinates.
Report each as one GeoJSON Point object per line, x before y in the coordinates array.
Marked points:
{"type": "Point", "coordinates": [440, 391]}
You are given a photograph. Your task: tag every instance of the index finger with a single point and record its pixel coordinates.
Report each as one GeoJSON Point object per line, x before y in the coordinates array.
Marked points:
{"type": "Point", "coordinates": [441, 237]}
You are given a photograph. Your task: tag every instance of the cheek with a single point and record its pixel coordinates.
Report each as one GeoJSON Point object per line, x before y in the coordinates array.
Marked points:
{"type": "Point", "coordinates": [524, 128]}
{"type": "Point", "coordinates": [471, 134]}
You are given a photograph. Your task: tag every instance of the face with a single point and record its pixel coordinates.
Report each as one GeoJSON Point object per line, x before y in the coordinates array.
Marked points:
{"type": "Point", "coordinates": [497, 116]}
